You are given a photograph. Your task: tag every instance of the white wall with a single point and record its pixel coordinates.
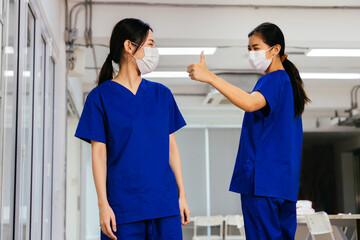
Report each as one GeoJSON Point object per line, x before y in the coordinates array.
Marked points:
{"type": "Point", "coordinates": [223, 143]}
{"type": "Point", "coordinates": [55, 15]}
{"type": "Point", "coordinates": [207, 180]}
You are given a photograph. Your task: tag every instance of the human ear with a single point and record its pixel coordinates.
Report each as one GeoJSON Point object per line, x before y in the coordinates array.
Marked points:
{"type": "Point", "coordinates": [277, 49]}
{"type": "Point", "coordinates": [128, 46]}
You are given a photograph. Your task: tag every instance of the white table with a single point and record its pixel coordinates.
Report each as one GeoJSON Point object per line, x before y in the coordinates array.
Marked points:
{"type": "Point", "coordinates": [339, 221]}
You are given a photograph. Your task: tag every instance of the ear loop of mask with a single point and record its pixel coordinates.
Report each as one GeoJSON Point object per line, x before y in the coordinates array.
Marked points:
{"type": "Point", "coordinates": [269, 50]}
{"type": "Point", "coordinates": [131, 53]}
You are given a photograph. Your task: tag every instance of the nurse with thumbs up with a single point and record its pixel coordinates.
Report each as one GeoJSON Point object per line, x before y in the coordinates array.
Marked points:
{"type": "Point", "coordinates": [267, 168]}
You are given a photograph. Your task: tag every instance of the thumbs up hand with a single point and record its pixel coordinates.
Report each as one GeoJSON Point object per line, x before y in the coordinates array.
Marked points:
{"type": "Point", "coordinates": [199, 71]}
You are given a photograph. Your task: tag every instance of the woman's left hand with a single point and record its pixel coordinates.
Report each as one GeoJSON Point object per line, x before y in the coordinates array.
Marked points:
{"type": "Point", "coordinates": [184, 211]}
{"type": "Point", "coordinates": [199, 71]}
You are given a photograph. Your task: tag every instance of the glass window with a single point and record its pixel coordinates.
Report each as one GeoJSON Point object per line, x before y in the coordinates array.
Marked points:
{"type": "Point", "coordinates": [8, 59]}
{"type": "Point", "coordinates": [26, 78]}
{"type": "Point", "coordinates": [48, 151]}
{"type": "Point", "coordinates": [38, 143]}
{"type": "Point", "coordinates": [26, 126]}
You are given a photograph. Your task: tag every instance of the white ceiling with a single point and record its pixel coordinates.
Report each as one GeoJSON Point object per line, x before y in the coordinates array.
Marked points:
{"type": "Point", "coordinates": [245, 2]}
{"type": "Point", "coordinates": [212, 23]}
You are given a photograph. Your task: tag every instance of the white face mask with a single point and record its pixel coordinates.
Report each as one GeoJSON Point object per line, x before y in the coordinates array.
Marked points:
{"type": "Point", "coordinates": [258, 60]}
{"type": "Point", "coordinates": [149, 62]}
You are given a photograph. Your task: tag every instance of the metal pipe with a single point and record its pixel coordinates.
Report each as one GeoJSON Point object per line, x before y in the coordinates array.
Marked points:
{"type": "Point", "coordinates": [221, 5]}
{"type": "Point", "coordinates": [86, 24]}
{"type": "Point", "coordinates": [206, 6]}
{"type": "Point", "coordinates": [71, 12]}
{"type": "Point", "coordinates": [66, 21]}
{"type": "Point", "coordinates": [353, 95]}
{"type": "Point", "coordinates": [356, 93]}
{"type": "Point", "coordinates": [66, 15]}
{"type": "Point", "coordinates": [95, 44]}
{"type": "Point", "coordinates": [91, 40]}
{"type": "Point", "coordinates": [210, 6]}
{"type": "Point", "coordinates": [76, 16]}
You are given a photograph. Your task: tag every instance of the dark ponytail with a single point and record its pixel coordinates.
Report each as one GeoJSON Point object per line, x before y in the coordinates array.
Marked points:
{"type": "Point", "coordinates": [272, 35]}
{"type": "Point", "coordinates": [131, 29]}
{"type": "Point", "coordinates": [300, 97]}
{"type": "Point", "coordinates": [106, 71]}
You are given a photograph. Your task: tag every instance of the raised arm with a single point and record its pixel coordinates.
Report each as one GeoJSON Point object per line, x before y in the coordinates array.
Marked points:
{"type": "Point", "coordinates": [248, 102]}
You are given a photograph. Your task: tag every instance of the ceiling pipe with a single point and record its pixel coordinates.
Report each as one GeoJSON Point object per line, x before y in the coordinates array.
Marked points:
{"type": "Point", "coordinates": [91, 3]}
{"type": "Point", "coordinates": [203, 6]}
{"type": "Point", "coordinates": [219, 5]}
{"type": "Point", "coordinates": [70, 39]}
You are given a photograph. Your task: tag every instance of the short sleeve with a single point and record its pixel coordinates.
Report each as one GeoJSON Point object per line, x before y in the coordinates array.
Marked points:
{"type": "Point", "coordinates": [270, 88]}
{"type": "Point", "coordinates": [176, 120]}
{"type": "Point", "coordinates": [91, 125]}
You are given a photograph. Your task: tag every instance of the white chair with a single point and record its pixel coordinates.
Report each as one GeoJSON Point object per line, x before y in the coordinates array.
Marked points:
{"type": "Point", "coordinates": [238, 221]}
{"type": "Point", "coordinates": [319, 226]}
{"type": "Point", "coordinates": [212, 221]}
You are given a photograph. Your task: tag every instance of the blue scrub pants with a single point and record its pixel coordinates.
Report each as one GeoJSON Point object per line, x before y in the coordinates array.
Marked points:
{"type": "Point", "coordinates": [167, 228]}
{"type": "Point", "coordinates": [268, 218]}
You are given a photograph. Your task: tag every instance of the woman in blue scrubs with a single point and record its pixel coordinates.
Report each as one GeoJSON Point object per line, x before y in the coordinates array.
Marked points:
{"type": "Point", "coordinates": [130, 123]}
{"type": "Point", "coordinates": [267, 168]}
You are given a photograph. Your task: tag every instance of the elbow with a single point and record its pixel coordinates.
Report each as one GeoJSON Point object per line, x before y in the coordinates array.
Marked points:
{"type": "Point", "coordinates": [247, 104]}
{"type": "Point", "coordinates": [249, 107]}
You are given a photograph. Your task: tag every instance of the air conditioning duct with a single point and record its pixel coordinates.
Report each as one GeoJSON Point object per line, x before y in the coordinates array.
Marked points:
{"type": "Point", "coordinates": [245, 81]}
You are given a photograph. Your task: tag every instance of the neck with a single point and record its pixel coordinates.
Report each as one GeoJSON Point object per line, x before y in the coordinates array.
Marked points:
{"type": "Point", "coordinates": [275, 65]}
{"type": "Point", "coordinates": [128, 75]}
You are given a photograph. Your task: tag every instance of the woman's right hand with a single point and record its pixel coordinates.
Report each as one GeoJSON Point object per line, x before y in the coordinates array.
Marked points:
{"type": "Point", "coordinates": [106, 214]}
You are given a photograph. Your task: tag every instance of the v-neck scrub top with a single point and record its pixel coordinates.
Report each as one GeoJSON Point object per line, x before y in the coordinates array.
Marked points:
{"type": "Point", "coordinates": [270, 143]}
{"type": "Point", "coordinates": [140, 183]}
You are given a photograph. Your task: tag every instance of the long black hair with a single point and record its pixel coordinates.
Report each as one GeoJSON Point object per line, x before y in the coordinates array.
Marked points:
{"type": "Point", "coordinates": [272, 35]}
{"type": "Point", "coordinates": [131, 29]}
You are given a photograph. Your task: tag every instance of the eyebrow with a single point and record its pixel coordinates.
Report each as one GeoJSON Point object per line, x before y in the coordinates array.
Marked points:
{"type": "Point", "coordinates": [254, 45]}
{"type": "Point", "coordinates": [151, 40]}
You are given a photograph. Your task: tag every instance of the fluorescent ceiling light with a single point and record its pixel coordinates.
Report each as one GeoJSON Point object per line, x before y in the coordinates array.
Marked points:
{"type": "Point", "coordinates": [334, 53]}
{"type": "Point", "coordinates": [330, 75]}
{"type": "Point", "coordinates": [172, 74]}
{"type": "Point", "coordinates": [186, 50]}
{"type": "Point", "coordinates": [183, 74]}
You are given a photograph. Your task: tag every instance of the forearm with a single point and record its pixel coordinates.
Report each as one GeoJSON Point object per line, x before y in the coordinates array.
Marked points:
{"type": "Point", "coordinates": [236, 95]}
{"type": "Point", "coordinates": [99, 175]}
{"type": "Point", "coordinates": [175, 164]}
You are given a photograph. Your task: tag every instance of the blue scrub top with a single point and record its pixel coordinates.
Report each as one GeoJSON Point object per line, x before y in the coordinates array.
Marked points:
{"type": "Point", "coordinates": [140, 183]}
{"type": "Point", "coordinates": [270, 143]}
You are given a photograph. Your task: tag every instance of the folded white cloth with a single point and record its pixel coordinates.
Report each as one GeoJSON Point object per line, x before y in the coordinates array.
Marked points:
{"type": "Point", "coordinates": [304, 207]}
